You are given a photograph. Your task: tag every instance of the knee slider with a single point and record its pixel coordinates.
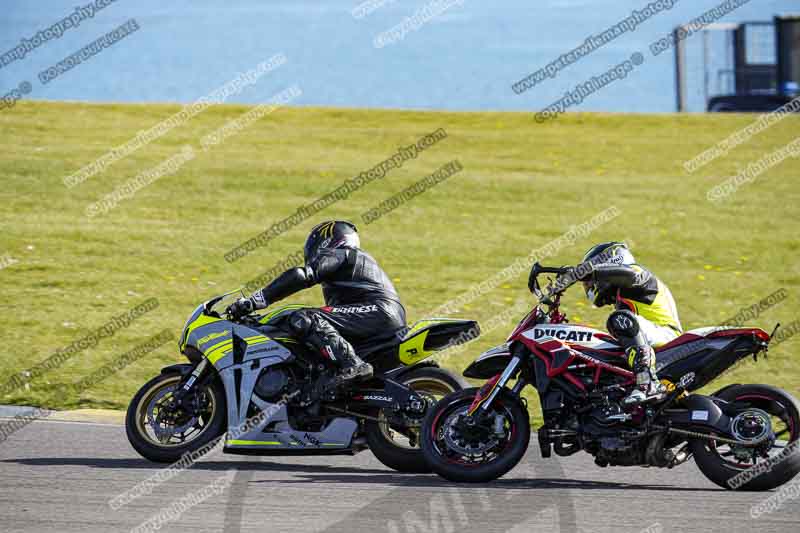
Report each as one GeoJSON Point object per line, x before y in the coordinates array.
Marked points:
{"type": "Point", "coordinates": [307, 322]}
{"type": "Point", "coordinates": [301, 323]}
{"type": "Point", "coordinates": [623, 323]}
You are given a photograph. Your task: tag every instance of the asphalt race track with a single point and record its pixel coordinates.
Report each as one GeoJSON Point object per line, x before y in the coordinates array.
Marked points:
{"type": "Point", "coordinates": [60, 476]}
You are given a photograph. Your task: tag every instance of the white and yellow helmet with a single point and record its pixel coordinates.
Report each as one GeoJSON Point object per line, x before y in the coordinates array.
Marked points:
{"type": "Point", "coordinates": [606, 253]}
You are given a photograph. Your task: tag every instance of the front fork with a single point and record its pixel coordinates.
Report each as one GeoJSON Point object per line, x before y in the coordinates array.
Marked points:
{"type": "Point", "coordinates": [193, 377]}
{"type": "Point", "coordinates": [183, 395]}
{"type": "Point", "coordinates": [490, 390]}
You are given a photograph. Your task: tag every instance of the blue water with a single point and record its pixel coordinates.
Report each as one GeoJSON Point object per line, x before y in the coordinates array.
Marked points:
{"type": "Point", "coordinates": [465, 59]}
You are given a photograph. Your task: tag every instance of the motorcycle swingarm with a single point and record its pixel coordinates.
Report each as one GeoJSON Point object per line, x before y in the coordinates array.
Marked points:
{"type": "Point", "coordinates": [393, 395]}
{"type": "Point", "coordinates": [700, 414]}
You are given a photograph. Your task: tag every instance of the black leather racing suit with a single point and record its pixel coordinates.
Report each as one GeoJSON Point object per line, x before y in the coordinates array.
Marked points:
{"type": "Point", "coordinates": [361, 303]}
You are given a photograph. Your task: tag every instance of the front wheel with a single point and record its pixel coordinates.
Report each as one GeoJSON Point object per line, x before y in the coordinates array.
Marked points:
{"type": "Point", "coordinates": [763, 413]}
{"type": "Point", "coordinates": [163, 432]}
{"type": "Point", "coordinates": [398, 447]}
{"type": "Point", "coordinates": [479, 448]}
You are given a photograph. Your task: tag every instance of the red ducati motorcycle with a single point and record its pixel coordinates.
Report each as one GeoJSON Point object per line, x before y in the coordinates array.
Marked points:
{"type": "Point", "coordinates": [741, 437]}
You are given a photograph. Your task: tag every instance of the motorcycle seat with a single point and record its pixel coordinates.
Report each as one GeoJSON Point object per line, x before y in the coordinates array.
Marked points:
{"type": "Point", "coordinates": [380, 342]}
{"type": "Point", "coordinates": [664, 353]}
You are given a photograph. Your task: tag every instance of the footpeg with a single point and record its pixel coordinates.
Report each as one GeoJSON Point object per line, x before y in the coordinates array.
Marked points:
{"type": "Point", "coordinates": [634, 398]}
{"type": "Point", "coordinates": [638, 397]}
{"type": "Point", "coordinates": [356, 372]}
{"type": "Point", "coordinates": [362, 370]}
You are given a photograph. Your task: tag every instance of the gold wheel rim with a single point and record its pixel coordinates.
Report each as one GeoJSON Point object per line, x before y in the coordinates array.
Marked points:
{"type": "Point", "coordinates": [433, 386]}
{"type": "Point", "coordinates": [142, 414]}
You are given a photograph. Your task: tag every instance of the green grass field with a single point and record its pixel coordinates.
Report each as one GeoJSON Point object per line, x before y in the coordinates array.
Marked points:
{"type": "Point", "coordinates": [523, 185]}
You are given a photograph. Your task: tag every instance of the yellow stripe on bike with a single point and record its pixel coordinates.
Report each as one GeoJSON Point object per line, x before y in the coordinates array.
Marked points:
{"type": "Point", "coordinates": [200, 321]}
{"type": "Point", "coordinates": [218, 351]}
{"type": "Point", "coordinates": [256, 343]}
{"type": "Point", "coordinates": [272, 314]}
{"type": "Point", "coordinates": [253, 443]}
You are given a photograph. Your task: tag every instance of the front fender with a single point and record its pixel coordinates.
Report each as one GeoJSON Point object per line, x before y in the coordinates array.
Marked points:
{"type": "Point", "coordinates": [183, 369]}
{"type": "Point", "coordinates": [490, 363]}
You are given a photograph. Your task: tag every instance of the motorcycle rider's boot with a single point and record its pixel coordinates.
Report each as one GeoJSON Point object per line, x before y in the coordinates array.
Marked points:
{"type": "Point", "coordinates": [648, 387]}
{"type": "Point", "coordinates": [624, 326]}
{"type": "Point", "coordinates": [350, 366]}
{"type": "Point", "coordinates": [353, 368]}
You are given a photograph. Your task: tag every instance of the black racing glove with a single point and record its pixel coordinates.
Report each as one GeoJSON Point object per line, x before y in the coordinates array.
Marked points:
{"type": "Point", "coordinates": [584, 271]}
{"type": "Point", "coordinates": [564, 281]}
{"type": "Point", "coordinates": [241, 307]}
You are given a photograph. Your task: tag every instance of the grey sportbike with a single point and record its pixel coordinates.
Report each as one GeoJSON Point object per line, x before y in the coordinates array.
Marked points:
{"type": "Point", "coordinates": [249, 380]}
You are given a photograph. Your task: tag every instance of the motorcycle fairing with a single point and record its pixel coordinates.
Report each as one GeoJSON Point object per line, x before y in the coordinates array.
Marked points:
{"type": "Point", "coordinates": [239, 351]}
{"type": "Point", "coordinates": [239, 380]}
{"type": "Point", "coordinates": [222, 341]}
{"type": "Point", "coordinates": [573, 335]}
{"type": "Point", "coordinates": [272, 314]}
{"type": "Point", "coordinates": [281, 437]}
{"type": "Point", "coordinates": [196, 320]}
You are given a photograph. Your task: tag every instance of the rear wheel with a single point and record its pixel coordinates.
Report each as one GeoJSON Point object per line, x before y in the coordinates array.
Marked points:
{"type": "Point", "coordinates": [398, 446]}
{"type": "Point", "coordinates": [163, 432]}
{"type": "Point", "coordinates": [475, 450]}
{"type": "Point", "coordinates": [765, 412]}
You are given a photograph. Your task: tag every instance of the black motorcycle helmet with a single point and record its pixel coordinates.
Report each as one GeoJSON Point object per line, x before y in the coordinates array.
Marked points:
{"type": "Point", "coordinates": [604, 253]}
{"type": "Point", "coordinates": [331, 234]}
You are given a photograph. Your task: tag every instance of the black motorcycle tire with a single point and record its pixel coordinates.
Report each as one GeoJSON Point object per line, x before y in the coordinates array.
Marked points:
{"type": "Point", "coordinates": [511, 456]}
{"type": "Point", "coordinates": [162, 454]}
{"type": "Point", "coordinates": [721, 472]}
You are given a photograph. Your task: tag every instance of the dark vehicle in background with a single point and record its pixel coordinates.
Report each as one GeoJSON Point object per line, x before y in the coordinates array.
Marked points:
{"type": "Point", "coordinates": [747, 67]}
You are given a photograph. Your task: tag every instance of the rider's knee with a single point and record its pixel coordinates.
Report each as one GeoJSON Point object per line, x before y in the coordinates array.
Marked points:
{"type": "Point", "coordinates": [623, 323]}
{"type": "Point", "coordinates": [301, 322]}
{"type": "Point", "coordinates": [306, 322]}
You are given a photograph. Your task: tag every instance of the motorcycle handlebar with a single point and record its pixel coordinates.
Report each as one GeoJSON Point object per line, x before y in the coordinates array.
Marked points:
{"type": "Point", "coordinates": [553, 270]}
{"type": "Point", "coordinates": [533, 281]}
